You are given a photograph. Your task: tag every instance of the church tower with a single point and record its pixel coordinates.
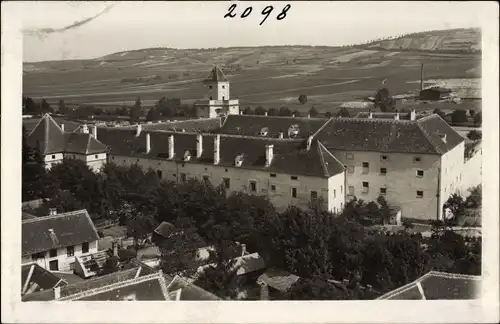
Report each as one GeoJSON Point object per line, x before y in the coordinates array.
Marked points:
{"type": "Point", "coordinates": [217, 85]}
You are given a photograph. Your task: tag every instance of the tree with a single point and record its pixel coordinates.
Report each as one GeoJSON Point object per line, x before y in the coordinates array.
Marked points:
{"type": "Point", "coordinates": [302, 99]}
{"type": "Point", "coordinates": [328, 114]}
{"type": "Point", "coordinates": [474, 200]}
{"type": "Point", "coordinates": [313, 112]}
{"type": "Point", "coordinates": [136, 111]}
{"type": "Point", "coordinates": [474, 135]}
{"type": "Point", "coordinates": [163, 107]}
{"type": "Point", "coordinates": [456, 205]}
{"type": "Point", "coordinates": [61, 107]}
{"type": "Point", "coordinates": [313, 289]}
{"type": "Point", "coordinates": [30, 106]}
{"type": "Point", "coordinates": [284, 111]}
{"type": "Point", "coordinates": [459, 116]}
{"type": "Point", "coordinates": [247, 111]}
{"type": "Point", "coordinates": [259, 111]}
{"type": "Point", "coordinates": [478, 119]}
{"type": "Point", "coordinates": [45, 107]}
{"type": "Point", "coordinates": [343, 112]}
{"type": "Point", "coordinates": [153, 114]}
{"type": "Point", "coordinates": [472, 112]}
{"type": "Point", "coordinates": [438, 111]}
{"type": "Point", "coordinates": [110, 266]}
{"type": "Point", "coordinates": [33, 171]}
{"type": "Point", "coordinates": [272, 112]}
{"type": "Point", "coordinates": [384, 100]}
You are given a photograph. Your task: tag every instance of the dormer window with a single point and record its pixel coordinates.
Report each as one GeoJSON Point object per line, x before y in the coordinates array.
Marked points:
{"type": "Point", "coordinates": [238, 160]}
{"type": "Point", "coordinates": [264, 131]}
{"type": "Point", "coordinates": [293, 131]}
{"type": "Point", "coordinates": [210, 87]}
{"type": "Point", "coordinates": [187, 156]}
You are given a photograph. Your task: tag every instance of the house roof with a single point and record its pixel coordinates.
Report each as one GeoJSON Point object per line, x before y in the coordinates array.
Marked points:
{"type": "Point", "coordinates": [252, 125]}
{"type": "Point", "coordinates": [51, 232]}
{"type": "Point", "coordinates": [395, 136]}
{"type": "Point", "coordinates": [438, 89]}
{"type": "Point", "coordinates": [216, 75]}
{"type": "Point", "coordinates": [289, 156]}
{"type": "Point", "coordinates": [438, 285]}
{"type": "Point", "coordinates": [188, 125]}
{"type": "Point", "coordinates": [278, 279]}
{"type": "Point", "coordinates": [165, 229]}
{"type": "Point", "coordinates": [35, 278]}
{"type": "Point", "coordinates": [386, 115]}
{"type": "Point", "coordinates": [48, 136]}
{"type": "Point", "coordinates": [189, 291]}
{"type": "Point", "coordinates": [69, 126]}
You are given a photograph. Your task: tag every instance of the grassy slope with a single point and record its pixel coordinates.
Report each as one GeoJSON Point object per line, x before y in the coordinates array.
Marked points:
{"type": "Point", "coordinates": [267, 76]}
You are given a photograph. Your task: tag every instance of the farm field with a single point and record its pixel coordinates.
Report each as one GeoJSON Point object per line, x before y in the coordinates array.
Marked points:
{"type": "Point", "coordinates": [260, 76]}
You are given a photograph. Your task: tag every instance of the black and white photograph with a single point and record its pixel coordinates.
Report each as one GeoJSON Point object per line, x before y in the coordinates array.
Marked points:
{"type": "Point", "coordinates": [253, 154]}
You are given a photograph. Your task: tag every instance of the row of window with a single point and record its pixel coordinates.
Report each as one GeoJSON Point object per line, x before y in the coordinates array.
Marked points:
{"type": "Point", "coordinates": [383, 190]}
{"type": "Point", "coordinates": [416, 159]}
{"type": "Point", "coordinates": [383, 171]}
{"type": "Point", "coordinates": [210, 87]}
{"type": "Point", "coordinates": [70, 251]}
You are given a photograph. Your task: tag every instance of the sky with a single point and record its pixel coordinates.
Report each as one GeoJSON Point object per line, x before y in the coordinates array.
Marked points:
{"type": "Point", "coordinates": [191, 24]}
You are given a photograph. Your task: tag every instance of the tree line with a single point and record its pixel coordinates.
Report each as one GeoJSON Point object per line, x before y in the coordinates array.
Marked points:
{"type": "Point", "coordinates": [313, 244]}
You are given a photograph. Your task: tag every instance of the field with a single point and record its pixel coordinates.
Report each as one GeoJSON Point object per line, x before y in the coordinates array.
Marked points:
{"type": "Point", "coordinates": [262, 76]}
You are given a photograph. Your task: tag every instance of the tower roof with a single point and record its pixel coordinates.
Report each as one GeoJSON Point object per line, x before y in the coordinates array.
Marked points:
{"type": "Point", "coordinates": [216, 75]}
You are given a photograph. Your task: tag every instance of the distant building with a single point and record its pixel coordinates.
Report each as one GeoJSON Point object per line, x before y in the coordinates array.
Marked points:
{"type": "Point", "coordinates": [438, 286]}
{"type": "Point", "coordinates": [53, 241]}
{"type": "Point", "coordinates": [54, 143]}
{"type": "Point", "coordinates": [217, 100]}
{"type": "Point", "coordinates": [412, 115]}
{"type": "Point", "coordinates": [435, 93]}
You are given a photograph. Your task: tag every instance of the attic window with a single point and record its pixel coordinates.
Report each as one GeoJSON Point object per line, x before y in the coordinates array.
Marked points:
{"type": "Point", "coordinates": [53, 156]}
{"type": "Point", "coordinates": [264, 131]}
{"type": "Point", "coordinates": [187, 156]}
{"type": "Point", "coordinates": [293, 177]}
{"type": "Point", "coordinates": [293, 130]}
{"type": "Point", "coordinates": [39, 255]}
{"type": "Point", "coordinates": [238, 160]}
{"type": "Point", "coordinates": [272, 175]}
{"type": "Point", "coordinates": [416, 159]}
{"type": "Point", "coordinates": [210, 87]}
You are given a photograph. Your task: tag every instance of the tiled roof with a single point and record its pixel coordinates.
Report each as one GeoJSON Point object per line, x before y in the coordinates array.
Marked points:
{"type": "Point", "coordinates": [253, 125]}
{"type": "Point", "coordinates": [396, 136]}
{"type": "Point", "coordinates": [69, 126]}
{"type": "Point", "coordinates": [290, 156]}
{"type": "Point", "coordinates": [278, 279]}
{"type": "Point", "coordinates": [165, 229]}
{"type": "Point", "coordinates": [188, 125]}
{"type": "Point", "coordinates": [35, 278]}
{"type": "Point", "coordinates": [190, 291]}
{"type": "Point", "coordinates": [48, 136]}
{"type": "Point", "coordinates": [216, 75]}
{"type": "Point", "coordinates": [438, 285]}
{"type": "Point", "coordinates": [51, 232]}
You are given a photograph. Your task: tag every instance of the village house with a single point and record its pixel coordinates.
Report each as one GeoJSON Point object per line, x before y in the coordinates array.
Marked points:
{"type": "Point", "coordinates": [289, 171]}
{"type": "Point", "coordinates": [35, 278]}
{"type": "Point", "coordinates": [54, 241]}
{"type": "Point", "coordinates": [435, 93]}
{"type": "Point", "coordinates": [54, 143]}
{"type": "Point", "coordinates": [217, 101]}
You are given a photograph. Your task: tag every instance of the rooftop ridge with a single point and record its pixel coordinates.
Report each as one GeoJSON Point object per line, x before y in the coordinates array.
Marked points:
{"type": "Point", "coordinates": [449, 275]}
{"type": "Point", "coordinates": [321, 128]}
{"type": "Point", "coordinates": [375, 120]}
{"type": "Point", "coordinates": [42, 218]}
{"type": "Point", "coordinates": [330, 153]}
{"type": "Point", "coordinates": [112, 286]}
{"type": "Point", "coordinates": [284, 139]}
{"type": "Point", "coordinates": [322, 160]}
{"type": "Point", "coordinates": [285, 117]}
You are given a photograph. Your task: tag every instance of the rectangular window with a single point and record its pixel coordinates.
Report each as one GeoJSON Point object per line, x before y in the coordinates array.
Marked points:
{"type": "Point", "coordinates": [70, 251]}
{"type": "Point", "coordinates": [227, 183]}
{"type": "Point", "coordinates": [293, 177]}
{"type": "Point", "coordinates": [85, 247]}
{"type": "Point", "coordinates": [96, 156]}
{"type": "Point", "coordinates": [383, 171]}
{"type": "Point", "coordinates": [159, 173]}
{"type": "Point", "coordinates": [223, 87]}
{"type": "Point", "coordinates": [39, 255]}
{"type": "Point", "coordinates": [210, 87]}
{"type": "Point", "coordinates": [351, 190]}
{"type": "Point", "coordinates": [416, 159]}
{"type": "Point", "coordinates": [54, 265]}
{"type": "Point", "coordinates": [314, 195]}
{"type": "Point", "coordinates": [365, 187]}
{"type": "Point", "coordinates": [273, 175]}
{"type": "Point", "coordinates": [341, 189]}
{"type": "Point", "coordinates": [273, 188]}
{"type": "Point", "coordinates": [420, 173]}
{"type": "Point", "coordinates": [53, 156]}
{"type": "Point", "coordinates": [294, 192]}
{"type": "Point", "coordinates": [183, 177]}
{"type": "Point", "coordinates": [253, 186]}
{"type": "Point", "coordinates": [366, 167]}
{"type": "Point", "coordinates": [383, 158]}
{"type": "Point", "coordinates": [383, 191]}
{"type": "Point", "coordinates": [349, 156]}
{"type": "Point", "coordinates": [420, 194]}
{"type": "Point", "coordinates": [334, 193]}
{"type": "Point", "coordinates": [350, 169]}
{"type": "Point", "coordinates": [53, 253]}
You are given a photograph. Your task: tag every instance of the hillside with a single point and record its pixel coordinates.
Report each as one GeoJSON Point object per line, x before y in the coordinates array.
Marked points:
{"type": "Point", "coordinates": [269, 76]}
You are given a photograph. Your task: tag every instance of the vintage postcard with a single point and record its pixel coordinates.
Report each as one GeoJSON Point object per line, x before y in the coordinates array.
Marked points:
{"type": "Point", "coordinates": [267, 161]}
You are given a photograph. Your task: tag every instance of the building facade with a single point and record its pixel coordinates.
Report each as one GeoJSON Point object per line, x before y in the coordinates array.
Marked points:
{"type": "Point", "coordinates": [216, 101]}
{"type": "Point", "coordinates": [53, 241]}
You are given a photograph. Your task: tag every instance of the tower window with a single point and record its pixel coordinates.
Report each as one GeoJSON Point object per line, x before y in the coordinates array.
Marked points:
{"type": "Point", "coordinates": [210, 87]}
{"type": "Point", "coordinates": [210, 97]}
{"type": "Point", "coordinates": [223, 87]}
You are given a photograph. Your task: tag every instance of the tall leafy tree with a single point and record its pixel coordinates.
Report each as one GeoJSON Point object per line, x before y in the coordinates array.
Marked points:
{"type": "Point", "coordinates": [33, 171]}
{"type": "Point", "coordinates": [313, 112]}
{"type": "Point", "coordinates": [136, 111]}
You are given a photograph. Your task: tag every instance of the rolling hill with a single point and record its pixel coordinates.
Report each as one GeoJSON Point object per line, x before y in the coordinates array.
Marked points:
{"type": "Point", "coordinates": [268, 76]}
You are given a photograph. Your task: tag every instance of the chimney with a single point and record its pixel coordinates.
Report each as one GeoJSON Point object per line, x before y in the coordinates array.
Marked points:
{"type": "Point", "coordinates": [421, 77]}
{"type": "Point", "coordinates": [148, 143]}
{"type": "Point", "coordinates": [269, 154]}
{"type": "Point", "coordinates": [139, 129]}
{"type": "Point", "coordinates": [171, 146]}
{"type": "Point", "coordinates": [293, 115]}
{"type": "Point", "coordinates": [94, 131]}
{"type": "Point", "coordinates": [85, 129]}
{"type": "Point", "coordinates": [413, 115]}
{"type": "Point", "coordinates": [57, 293]}
{"type": "Point", "coordinates": [216, 149]}
{"type": "Point", "coordinates": [52, 211]}
{"type": "Point", "coordinates": [62, 127]}
{"type": "Point", "coordinates": [265, 114]}
{"type": "Point", "coordinates": [280, 135]}
{"type": "Point", "coordinates": [264, 291]}
{"type": "Point", "coordinates": [396, 116]}
{"type": "Point", "coordinates": [308, 115]}
{"type": "Point", "coordinates": [243, 249]}
{"type": "Point", "coordinates": [199, 145]}
{"type": "Point", "coordinates": [115, 249]}
{"type": "Point", "coordinates": [370, 114]}
{"type": "Point", "coordinates": [241, 112]}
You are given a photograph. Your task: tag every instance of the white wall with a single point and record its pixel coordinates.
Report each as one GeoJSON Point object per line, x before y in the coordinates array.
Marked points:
{"type": "Point", "coordinates": [51, 159]}
{"type": "Point", "coordinates": [472, 173]}
{"type": "Point", "coordinates": [64, 260]}
{"type": "Point", "coordinates": [93, 161]}
{"type": "Point", "coordinates": [452, 164]}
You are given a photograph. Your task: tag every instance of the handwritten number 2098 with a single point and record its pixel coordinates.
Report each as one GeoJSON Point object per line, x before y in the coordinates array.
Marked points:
{"type": "Point", "coordinates": [266, 12]}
